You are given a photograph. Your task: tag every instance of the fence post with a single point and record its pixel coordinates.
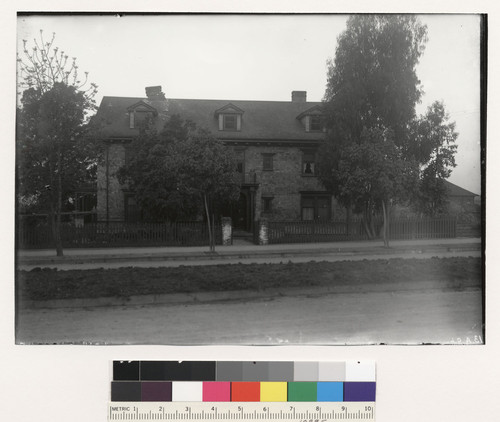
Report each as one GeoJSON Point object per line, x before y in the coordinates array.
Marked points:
{"type": "Point", "coordinates": [263, 231]}
{"type": "Point", "coordinates": [227, 231]}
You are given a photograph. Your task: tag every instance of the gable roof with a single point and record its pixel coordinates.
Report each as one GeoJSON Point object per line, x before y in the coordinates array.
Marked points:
{"type": "Point", "coordinates": [454, 190]}
{"type": "Point", "coordinates": [229, 108]}
{"type": "Point", "coordinates": [142, 105]}
{"type": "Point", "coordinates": [315, 110]}
{"type": "Point", "coordinates": [262, 120]}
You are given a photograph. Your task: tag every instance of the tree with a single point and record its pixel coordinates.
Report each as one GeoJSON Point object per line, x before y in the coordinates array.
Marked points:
{"type": "Point", "coordinates": [181, 172]}
{"type": "Point", "coordinates": [369, 159]}
{"type": "Point", "coordinates": [54, 154]}
{"type": "Point", "coordinates": [436, 136]}
{"type": "Point", "coordinates": [369, 174]}
{"type": "Point", "coordinates": [372, 81]}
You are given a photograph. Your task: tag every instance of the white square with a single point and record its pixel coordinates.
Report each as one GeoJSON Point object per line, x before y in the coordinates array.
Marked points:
{"type": "Point", "coordinates": [360, 371]}
{"type": "Point", "coordinates": [187, 391]}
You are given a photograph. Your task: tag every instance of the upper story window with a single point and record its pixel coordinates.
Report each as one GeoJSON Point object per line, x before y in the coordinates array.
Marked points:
{"type": "Point", "coordinates": [315, 123]}
{"type": "Point", "coordinates": [230, 118]}
{"type": "Point", "coordinates": [267, 162]}
{"type": "Point", "coordinates": [312, 119]}
{"type": "Point", "coordinates": [139, 113]}
{"type": "Point", "coordinates": [230, 121]}
{"type": "Point", "coordinates": [308, 163]}
{"type": "Point", "coordinates": [139, 117]}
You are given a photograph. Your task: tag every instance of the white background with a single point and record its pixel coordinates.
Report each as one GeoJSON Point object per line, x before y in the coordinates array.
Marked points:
{"type": "Point", "coordinates": [427, 383]}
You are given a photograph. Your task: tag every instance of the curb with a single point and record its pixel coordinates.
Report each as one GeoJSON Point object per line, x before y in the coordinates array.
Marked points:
{"type": "Point", "coordinates": [235, 295]}
{"type": "Point", "coordinates": [208, 256]}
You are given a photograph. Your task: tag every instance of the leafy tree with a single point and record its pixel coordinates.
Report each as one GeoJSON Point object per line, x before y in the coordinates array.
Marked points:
{"type": "Point", "coordinates": [372, 81]}
{"type": "Point", "coordinates": [436, 136]}
{"type": "Point", "coordinates": [180, 172]}
{"type": "Point", "coordinates": [369, 174]}
{"type": "Point", "coordinates": [369, 160]}
{"type": "Point", "coordinates": [54, 155]}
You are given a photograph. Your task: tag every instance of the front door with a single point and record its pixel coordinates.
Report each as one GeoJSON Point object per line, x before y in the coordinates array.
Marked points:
{"type": "Point", "coordinates": [240, 212]}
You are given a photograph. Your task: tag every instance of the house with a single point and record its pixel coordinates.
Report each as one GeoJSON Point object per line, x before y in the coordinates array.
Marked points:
{"type": "Point", "coordinates": [275, 143]}
{"type": "Point", "coordinates": [461, 200]}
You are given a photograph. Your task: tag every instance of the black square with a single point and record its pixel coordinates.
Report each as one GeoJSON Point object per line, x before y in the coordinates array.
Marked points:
{"type": "Point", "coordinates": [125, 370]}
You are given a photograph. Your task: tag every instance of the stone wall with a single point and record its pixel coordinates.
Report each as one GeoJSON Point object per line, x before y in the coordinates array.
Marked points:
{"type": "Point", "coordinates": [284, 183]}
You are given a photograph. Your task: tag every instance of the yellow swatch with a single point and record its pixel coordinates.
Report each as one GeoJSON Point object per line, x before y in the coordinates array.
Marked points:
{"type": "Point", "coordinates": [273, 391]}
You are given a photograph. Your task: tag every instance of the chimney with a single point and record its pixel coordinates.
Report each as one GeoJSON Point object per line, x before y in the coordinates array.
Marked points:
{"type": "Point", "coordinates": [154, 93]}
{"type": "Point", "coordinates": [299, 96]}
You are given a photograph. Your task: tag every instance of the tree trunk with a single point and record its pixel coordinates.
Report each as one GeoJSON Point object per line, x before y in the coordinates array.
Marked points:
{"type": "Point", "coordinates": [348, 221]}
{"type": "Point", "coordinates": [210, 234]}
{"type": "Point", "coordinates": [213, 231]}
{"type": "Point", "coordinates": [386, 224]}
{"type": "Point", "coordinates": [368, 223]}
{"type": "Point", "coordinates": [57, 234]}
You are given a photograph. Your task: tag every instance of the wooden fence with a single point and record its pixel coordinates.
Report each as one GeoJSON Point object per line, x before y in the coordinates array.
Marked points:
{"type": "Point", "coordinates": [331, 231]}
{"type": "Point", "coordinates": [116, 234]}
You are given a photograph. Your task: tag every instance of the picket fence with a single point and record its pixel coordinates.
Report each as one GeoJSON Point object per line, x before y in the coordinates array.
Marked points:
{"type": "Point", "coordinates": [117, 234]}
{"type": "Point", "coordinates": [331, 231]}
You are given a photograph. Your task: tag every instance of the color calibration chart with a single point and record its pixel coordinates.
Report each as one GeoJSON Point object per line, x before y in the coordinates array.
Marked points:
{"type": "Point", "coordinates": [258, 391]}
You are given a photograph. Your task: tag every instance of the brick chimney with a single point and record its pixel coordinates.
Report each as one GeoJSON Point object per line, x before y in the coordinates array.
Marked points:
{"type": "Point", "coordinates": [299, 96]}
{"type": "Point", "coordinates": [155, 93]}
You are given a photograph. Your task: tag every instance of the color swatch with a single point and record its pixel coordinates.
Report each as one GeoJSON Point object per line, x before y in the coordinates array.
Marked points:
{"type": "Point", "coordinates": [199, 381]}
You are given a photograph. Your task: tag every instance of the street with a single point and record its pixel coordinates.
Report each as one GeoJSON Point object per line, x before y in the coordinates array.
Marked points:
{"type": "Point", "coordinates": [391, 317]}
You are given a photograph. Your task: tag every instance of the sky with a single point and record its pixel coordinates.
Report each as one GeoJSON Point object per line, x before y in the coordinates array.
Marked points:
{"type": "Point", "coordinates": [257, 57]}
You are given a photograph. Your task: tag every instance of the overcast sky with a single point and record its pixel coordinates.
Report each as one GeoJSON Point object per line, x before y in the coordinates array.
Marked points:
{"type": "Point", "coordinates": [257, 57]}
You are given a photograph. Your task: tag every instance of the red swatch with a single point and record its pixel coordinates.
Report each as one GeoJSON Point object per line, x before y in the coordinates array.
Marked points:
{"type": "Point", "coordinates": [245, 391]}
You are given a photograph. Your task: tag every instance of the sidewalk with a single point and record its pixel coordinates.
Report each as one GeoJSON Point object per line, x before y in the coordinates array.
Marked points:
{"type": "Point", "coordinates": [44, 257]}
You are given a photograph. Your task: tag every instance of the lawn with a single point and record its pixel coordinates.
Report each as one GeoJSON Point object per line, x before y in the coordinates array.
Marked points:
{"type": "Point", "coordinates": [45, 284]}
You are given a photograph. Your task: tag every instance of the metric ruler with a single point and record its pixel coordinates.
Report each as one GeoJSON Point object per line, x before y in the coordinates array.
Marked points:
{"type": "Point", "coordinates": [242, 411]}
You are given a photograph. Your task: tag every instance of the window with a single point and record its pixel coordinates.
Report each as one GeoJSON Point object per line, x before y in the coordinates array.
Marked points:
{"type": "Point", "coordinates": [229, 117]}
{"type": "Point", "coordinates": [267, 164]}
{"type": "Point", "coordinates": [137, 117]}
{"type": "Point", "coordinates": [230, 122]}
{"type": "Point", "coordinates": [308, 163]}
{"type": "Point", "coordinates": [316, 207]}
{"type": "Point", "coordinates": [267, 204]}
{"type": "Point", "coordinates": [239, 166]}
{"type": "Point", "coordinates": [315, 124]}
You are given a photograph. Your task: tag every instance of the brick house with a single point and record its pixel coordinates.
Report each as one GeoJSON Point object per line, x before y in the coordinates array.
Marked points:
{"type": "Point", "coordinates": [275, 143]}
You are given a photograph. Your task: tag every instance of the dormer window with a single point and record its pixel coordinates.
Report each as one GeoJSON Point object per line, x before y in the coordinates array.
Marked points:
{"type": "Point", "coordinates": [312, 119]}
{"type": "Point", "coordinates": [229, 118]}
{"type": "Point", "coordinates": [139, 113]}
{"type": "Point", "coordinates": [315, 123]}
{"type": "Point", "coordinates": [230, 121]}
{"type": "Point", "coordinates": [138, 117]}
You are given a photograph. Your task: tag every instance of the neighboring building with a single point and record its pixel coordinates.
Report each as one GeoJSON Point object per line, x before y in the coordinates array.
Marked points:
{"type": "Point", "coordinates": [461, 200]}
{"type": "Point", "coordinates": [275, 142]}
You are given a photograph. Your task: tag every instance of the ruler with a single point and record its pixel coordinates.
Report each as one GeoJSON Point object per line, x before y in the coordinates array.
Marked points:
{"type": "Point", "coordinates": [242, 411]}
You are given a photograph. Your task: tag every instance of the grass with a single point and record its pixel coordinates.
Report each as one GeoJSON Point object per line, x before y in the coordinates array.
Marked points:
{"type": "Point", "coordinates": [46, 284]}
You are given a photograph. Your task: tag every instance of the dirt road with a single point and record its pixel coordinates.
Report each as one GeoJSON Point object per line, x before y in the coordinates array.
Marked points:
{"type": "Point", "coordinates": [419, 316]}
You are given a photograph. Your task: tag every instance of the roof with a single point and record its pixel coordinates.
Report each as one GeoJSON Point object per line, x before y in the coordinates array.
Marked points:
{"type": "Point", "coordinates": [262, 120]}
{"type": "Point", "coordinates": [454, 190]}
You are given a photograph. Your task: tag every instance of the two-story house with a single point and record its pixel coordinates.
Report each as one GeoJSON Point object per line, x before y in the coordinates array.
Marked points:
{"type": "Point", "coordinates": [275, 142]}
